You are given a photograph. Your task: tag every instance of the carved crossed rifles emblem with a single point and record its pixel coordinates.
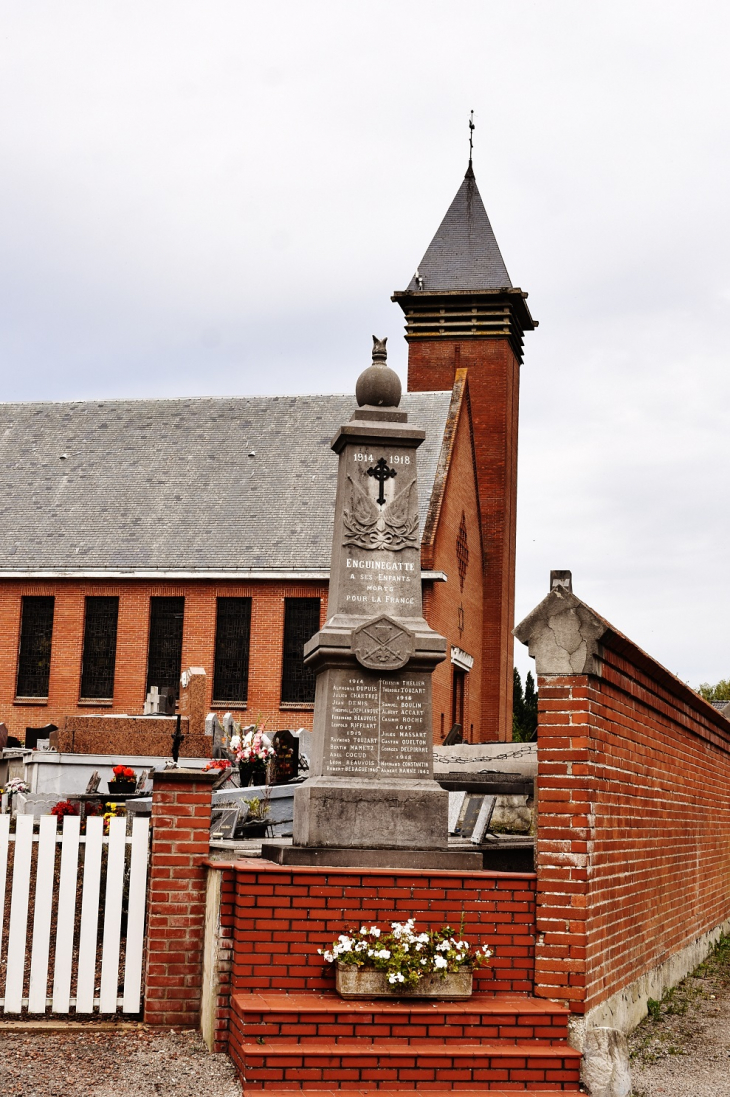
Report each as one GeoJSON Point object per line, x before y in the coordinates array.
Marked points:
{"type": "Point", "coordinates": [382, 644]}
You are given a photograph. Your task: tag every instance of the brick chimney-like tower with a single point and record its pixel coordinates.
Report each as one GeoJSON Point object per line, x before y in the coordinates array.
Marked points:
{"type": "Point", "coordinates": [463, 312]}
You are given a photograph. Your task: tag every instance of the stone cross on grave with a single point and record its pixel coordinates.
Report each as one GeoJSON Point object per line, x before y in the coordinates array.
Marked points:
{"type": "Point", "coordinates": [381, 473]}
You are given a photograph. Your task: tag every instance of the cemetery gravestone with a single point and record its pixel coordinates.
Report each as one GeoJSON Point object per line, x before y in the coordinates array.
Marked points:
{"type": "Point", "coordinates": [371, 787]}
{"type": "Point", "coordinates": [286, 757]}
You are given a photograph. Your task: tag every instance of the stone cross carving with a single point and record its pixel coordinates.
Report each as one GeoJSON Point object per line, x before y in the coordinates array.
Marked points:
{"type": "Point", "coordinates": [381, 473]}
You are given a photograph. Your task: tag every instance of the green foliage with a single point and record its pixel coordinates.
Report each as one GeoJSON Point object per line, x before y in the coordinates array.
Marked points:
{"type": "Point", "coordinates": [404, 955]}
{"type": "Point", "coordinates": [524, 708]}
{"type": "Point", "coordinates": [654, 1008]}
{"type": "Point", "coordinates": [719, 692]}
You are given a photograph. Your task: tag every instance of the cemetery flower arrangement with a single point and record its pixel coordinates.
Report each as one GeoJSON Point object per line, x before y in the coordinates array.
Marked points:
{"type": "Point", "coordinates": [253, 747]}
{"type": "Point", "coordinates": [405, 955]}
{"type": "Point", "coordinates": [64, 808]}
{"type": "Point", "coordinates": [122, 774]}
{"type": "Point", "coordinates": [218, 763]}
{"type": "Point", "coordinates": [17, 784]}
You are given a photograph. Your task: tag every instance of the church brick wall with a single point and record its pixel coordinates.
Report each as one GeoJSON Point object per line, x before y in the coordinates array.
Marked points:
{"type": "Point", "coordinates": [633, 846]}
{"type": "Point", "coordinates": [267, 626]}
{"type": "Point", "coordinates": [265, 664]}
{"type": "Point", "coordinates": [493, 372]}
{"type": "Point", "coordinates": [444, 601]}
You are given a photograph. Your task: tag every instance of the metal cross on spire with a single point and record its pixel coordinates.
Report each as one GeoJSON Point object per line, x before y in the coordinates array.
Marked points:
{"type": "Point", "coordinates": [471, 135]}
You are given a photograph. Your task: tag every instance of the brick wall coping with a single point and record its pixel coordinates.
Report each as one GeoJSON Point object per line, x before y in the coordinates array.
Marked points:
{"type": "Point", "coordinates": [259, 864]}
{"type": "Point", "coordinates": [185, 776]}
{"type": "Point", "coordinates": [566, 637]}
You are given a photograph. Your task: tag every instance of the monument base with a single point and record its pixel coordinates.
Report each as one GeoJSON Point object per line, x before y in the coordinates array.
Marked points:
{"type": "Point", "coordinates": [367, 814]}
{"type": "Point", "coordinates": [426, 859]}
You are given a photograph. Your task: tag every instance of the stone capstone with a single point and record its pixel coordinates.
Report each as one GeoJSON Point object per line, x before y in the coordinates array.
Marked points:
{"type": "Point", "coordinates": [605, 1071]}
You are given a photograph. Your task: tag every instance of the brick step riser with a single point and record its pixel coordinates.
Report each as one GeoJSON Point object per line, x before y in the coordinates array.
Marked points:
{"type": "Point", "coordinates": [373, 1027]}
{"type": "Point", "coordinates": [315, 1071]}
{"type": "Point", "coordinates": [405, 1036]}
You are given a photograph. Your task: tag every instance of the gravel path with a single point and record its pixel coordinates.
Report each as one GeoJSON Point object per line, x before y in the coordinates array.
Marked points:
{"type": "Point", "coordinates": [685, 1050]}
{"type": "Point", "coordinates": [141, 1063]}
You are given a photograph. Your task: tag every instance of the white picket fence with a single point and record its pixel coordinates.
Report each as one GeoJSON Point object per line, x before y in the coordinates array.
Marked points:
{"type": "Point", "coordinates": [57, 892]}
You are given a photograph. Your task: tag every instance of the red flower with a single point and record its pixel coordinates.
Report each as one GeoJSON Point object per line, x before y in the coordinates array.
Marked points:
{"type": "Point", "coordinates": [64, 807]}
{"type": "Point", "coordinates": [123, 773]}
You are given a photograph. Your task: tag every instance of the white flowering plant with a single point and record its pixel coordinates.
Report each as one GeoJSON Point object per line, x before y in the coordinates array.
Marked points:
{"type": "Point", "coordinates": [405, 955]}
{"type": "Point", "coordinates": [16, 784]}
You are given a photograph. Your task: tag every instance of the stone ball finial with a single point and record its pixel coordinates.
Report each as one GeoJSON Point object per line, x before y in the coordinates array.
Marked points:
{"type": "Point", "coordinates": [378, 386]}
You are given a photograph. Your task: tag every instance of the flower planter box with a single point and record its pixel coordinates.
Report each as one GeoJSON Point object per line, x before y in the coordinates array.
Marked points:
{"type": "Point", "coordinates": [356, 982]}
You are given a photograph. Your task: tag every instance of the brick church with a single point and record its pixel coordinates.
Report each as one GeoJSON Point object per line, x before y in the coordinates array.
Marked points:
{"type": "Point", "coordinates": [140, 537]}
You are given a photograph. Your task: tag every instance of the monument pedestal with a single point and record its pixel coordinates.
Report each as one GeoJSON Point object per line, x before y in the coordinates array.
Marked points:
{"type": "Point", "coordinates": [425, 860]}
{"type": "Point", "coordinates": [372, 814]}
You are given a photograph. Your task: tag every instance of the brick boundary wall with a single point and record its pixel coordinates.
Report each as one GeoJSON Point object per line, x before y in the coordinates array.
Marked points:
{"type": "Point", "coordinates": [177, 892]}
{"type": "Point", "coordinates": [633, 843]}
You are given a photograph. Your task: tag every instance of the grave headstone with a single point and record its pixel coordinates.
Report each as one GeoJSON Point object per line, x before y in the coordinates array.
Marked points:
{"type": "Point", "coordinates": [3, 736]}
{"type": "Point", "coordinates": [305, 748]}
{"type": "Point", "coordinates": [223, 822]}
{"type": "Point", "coordinates": [94, 782]}
{"type": "Point", "coordinates": [286, 757]}
{"type": "Point", "coordinates": [160, 702]}
{"type": "Point", "coordinates": [371, 788]}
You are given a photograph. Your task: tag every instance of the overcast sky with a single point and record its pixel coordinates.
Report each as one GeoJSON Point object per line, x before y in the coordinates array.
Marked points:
{"type": "Point", "coordinates": [219, 197]}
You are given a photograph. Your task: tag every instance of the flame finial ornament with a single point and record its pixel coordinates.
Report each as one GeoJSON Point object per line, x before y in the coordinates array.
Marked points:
{"type": "Point", "coordinates": [378, 386]}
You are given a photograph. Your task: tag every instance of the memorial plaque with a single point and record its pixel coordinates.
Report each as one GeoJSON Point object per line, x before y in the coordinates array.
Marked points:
{"type": "Point", "coordinates": [223, 823]}
{"type": "Point", "coordinates": [378, 726]}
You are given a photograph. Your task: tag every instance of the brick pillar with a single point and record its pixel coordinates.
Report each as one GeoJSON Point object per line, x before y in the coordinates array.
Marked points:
{"type": "Point", "coordinates": [176, 917]}
{"type": "Point", "coordinates": [564, 837]}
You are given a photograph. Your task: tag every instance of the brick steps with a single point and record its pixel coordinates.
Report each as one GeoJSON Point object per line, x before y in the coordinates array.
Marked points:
{"type": "Point", "coordinates": [319, 1042]}
{"type": "Point", "coordinates": [504, 1018]}
{"type": "Point", "coordinates": [406, 1091]}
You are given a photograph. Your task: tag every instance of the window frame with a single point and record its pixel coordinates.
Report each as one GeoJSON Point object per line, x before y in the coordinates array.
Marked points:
{"type": "Point", "coordinates": [307, 677]}
{"type": "Point", "coordinates": [84, 696]}
{"type": "Point", "coordinates": [25, 603]}
{"type": "Point", "coordinates": [155, 600]}
{"type": "Point", "coordinates": [247, 602]}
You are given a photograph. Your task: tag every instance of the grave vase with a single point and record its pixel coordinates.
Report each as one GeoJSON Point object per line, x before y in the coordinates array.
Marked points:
{"type": "Point", "coordinates": [252, 773]}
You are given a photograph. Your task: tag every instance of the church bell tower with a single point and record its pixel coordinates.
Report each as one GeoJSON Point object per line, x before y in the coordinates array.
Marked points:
{"type": "Point", "coordinates": [462, 312]}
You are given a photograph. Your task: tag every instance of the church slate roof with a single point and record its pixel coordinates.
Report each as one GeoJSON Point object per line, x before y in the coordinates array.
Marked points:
{"type": "Point", "coordinates": [464, 254]}
{"type": "Point", "coordinates": [217, 484]}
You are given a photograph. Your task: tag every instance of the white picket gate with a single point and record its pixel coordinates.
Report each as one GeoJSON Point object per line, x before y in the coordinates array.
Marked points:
{"type": "Point", "coordinates": [57, 890]}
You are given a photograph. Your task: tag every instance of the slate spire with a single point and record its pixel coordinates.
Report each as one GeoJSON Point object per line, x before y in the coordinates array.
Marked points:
{"type": "Point", "coordinates": [464, 254]}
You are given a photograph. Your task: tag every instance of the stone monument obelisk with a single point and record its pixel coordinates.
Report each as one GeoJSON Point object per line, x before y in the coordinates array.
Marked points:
{"type": "Point", "coordinates": [371, 798]}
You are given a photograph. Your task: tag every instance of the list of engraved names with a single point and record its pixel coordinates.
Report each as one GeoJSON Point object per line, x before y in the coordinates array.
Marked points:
{"type": "Point", "coordinates": [378, 726]}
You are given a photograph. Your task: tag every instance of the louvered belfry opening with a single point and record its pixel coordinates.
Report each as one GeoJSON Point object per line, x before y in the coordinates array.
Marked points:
{"type": "Point", "coordinates": [34, 659]}
{"type": "Point", "coordinates": [164, 656]}
{"type": "Point", "coordinates": [232, 644]}
{"type": "Point", "coordinates": [301, 621]}
{"type": "Point", "coordinates": [100, 648]}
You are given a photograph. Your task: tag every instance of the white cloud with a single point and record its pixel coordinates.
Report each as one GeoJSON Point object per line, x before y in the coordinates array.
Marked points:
{"type": "Point", "coordinates": [221, 198]}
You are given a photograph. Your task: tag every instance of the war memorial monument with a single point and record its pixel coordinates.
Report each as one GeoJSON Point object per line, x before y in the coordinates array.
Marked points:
{"type": "Point", "coordinates": [371, 798]}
